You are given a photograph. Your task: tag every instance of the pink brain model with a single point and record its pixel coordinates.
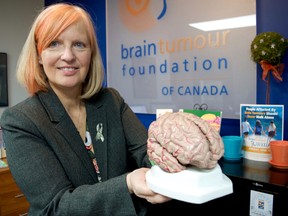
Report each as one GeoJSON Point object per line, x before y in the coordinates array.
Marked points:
{"type": "Point", "coordinates": [177, 140]}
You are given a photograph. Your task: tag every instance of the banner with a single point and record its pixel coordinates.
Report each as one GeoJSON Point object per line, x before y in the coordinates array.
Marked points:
{"type": "Point", "coordinates": [156, 59]}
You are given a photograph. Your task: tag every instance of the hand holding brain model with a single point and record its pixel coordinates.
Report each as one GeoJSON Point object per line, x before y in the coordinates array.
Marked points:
{"type": "Point", "coordinates": [177, 140]}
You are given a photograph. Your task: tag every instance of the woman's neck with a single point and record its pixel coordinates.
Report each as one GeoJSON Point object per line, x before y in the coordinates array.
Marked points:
{"type": "Point", "coordinates": [74, 106]}
{"type": "Point", "coordinates": [77, 113]}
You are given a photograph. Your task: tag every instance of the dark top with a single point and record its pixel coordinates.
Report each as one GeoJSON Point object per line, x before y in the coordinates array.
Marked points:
{"type": "Point", "coordinates": [52, 167]}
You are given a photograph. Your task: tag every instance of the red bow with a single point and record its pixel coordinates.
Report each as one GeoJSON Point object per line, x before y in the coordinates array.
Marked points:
{"type": "Point", "coordinates": [277, 70]}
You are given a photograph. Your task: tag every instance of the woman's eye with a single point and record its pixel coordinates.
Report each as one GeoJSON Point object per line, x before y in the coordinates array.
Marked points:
{"type": "Point", "coordinates": [54, 44]}
{"type": "Point", "coordinates": [79, 45]}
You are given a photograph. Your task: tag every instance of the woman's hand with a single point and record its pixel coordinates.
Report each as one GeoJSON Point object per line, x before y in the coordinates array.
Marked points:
{"type": "Point", "coordinates": [136, 182]}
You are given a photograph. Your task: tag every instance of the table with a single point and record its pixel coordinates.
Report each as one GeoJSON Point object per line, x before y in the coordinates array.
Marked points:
{"type": "Point", "coordinates": [247, 176]}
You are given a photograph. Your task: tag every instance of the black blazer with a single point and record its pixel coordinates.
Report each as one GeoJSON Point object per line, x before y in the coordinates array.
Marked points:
{"type": "Point", "coordinates": [50, 164]}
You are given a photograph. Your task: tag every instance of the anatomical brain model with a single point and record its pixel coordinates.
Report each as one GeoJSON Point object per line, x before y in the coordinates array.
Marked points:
{"type": "Point", "coordinates": [177, 140]}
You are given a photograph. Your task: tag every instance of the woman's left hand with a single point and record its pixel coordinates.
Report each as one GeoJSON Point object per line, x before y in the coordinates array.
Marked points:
{"type": "Point", "coordinates": [136, 182]}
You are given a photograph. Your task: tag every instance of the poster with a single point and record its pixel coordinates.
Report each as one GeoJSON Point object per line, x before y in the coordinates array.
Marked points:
{"type": "Point", "coordinates": [259, 124]}
{"type": "Point", "coordinates": [213, 117]}
{"type": "Point", "coordinates": [158, 59]}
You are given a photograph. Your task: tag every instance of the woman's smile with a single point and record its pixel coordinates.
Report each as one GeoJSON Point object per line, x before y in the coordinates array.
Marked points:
{"type": "Point", "coordinates": [69, 71]}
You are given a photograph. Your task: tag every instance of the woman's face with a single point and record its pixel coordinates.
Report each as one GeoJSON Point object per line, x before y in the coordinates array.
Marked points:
{"type": "Point", "coordinates": [67, 59]}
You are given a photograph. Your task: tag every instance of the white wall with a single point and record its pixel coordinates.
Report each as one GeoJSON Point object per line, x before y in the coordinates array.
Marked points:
{"type": "Point", "coordinates": [16, 17]}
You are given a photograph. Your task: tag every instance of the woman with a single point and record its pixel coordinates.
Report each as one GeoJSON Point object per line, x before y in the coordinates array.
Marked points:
{"type": "Point", "coordinates": [258, 129]}
{"type": "Point", "coordinates": [246, 128]}
{"type": "Point", "coordinates": [73, 145]}
{"type": "Point", "coordinates": [271, 129]}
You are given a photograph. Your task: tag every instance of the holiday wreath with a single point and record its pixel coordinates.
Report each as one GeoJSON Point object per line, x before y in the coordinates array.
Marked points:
{"type": "Point", "coordinates": [268, 49]}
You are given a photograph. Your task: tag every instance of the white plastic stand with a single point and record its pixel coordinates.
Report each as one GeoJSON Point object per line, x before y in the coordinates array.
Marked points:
{"type": "Point", "coordinates": [192, 185]}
